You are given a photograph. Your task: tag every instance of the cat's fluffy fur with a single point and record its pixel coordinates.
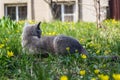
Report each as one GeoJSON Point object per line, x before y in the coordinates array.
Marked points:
{"type": "Point", "coordinates": [33, 42]}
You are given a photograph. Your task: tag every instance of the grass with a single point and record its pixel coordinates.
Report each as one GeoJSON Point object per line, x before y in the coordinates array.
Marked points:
{"type": "Point", "coordinates": [98, 42]}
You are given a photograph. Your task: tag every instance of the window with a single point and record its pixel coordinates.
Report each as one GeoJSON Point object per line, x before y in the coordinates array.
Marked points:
{"type": "Point", "coordinates": [22, 12]}
{"type": "Point", "coordinates": [11, 12]}
{"type": "Point", "coordinates": [16, 12]}
{"type": "Point", "coordinates": [68, 9]}
{"type": "Point", "coordinates": [68, 12]}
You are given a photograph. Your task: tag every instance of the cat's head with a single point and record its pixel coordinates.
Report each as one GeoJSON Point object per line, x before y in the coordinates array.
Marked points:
{"type": "Point", "coordinates": [32, 30]}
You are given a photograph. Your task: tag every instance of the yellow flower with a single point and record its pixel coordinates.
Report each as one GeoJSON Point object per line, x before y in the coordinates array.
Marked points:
{"type": "Point", "coordinates": [31, 22]}
{"type": "Point", "coordinates": [83, 56]}
{"type": "Point", "coordinates": [6, 39]}
{"type": "Point", "coordinates": [107, 52]}
{"type": "Point", "coordinates": [114, 21]}
{"type": "Point", "coordinates": [93, 79]}
{"type": "Point", "coordinates": [82, 72]}
{"type": "Point", "coordinates": [76, 51]}
{"type": "Point", "coordinates": [116, 76]}
{"type": "Point", "coordinates": [68, 48]}
{"type": "Point", "coordinates": [53, 33]}
{"type": "Point", "coordinates": [49, 33]}
{"type": "Point", "coordinates": [96, 71]}
{"type": "Point", "coordinates": [21, 22]}
{"type": "Point", "coordinates": [63, 77]}
{"type": "Point", "coordinates": [2, 45]}
{"type": "Point", "coordinates": [17, 31]}
{"type": "Point", "coordinates": [103, 77]}
{"type": "Point", "coordinates": [98, 51]}
{"type": "Point", "coordinates": [81, 40]}
{"type": "Point", "coordinates": [10, 54]}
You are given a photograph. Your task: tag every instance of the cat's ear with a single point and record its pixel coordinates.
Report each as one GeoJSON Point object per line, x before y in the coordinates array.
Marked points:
{"type": "Point", "coordinates": [38, 25]}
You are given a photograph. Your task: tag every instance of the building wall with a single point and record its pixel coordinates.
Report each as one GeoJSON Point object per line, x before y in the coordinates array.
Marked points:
{"type": "Point", "coordinates": [63, 0]}
{"type": "Point", "coordinates": [88, 11]}
{"type": "Point", "coordinates": [39, 10]}
{"type": "Point", "coordinates": [1, 9]}
{"type": "Point", "coordinates": [42, 11]}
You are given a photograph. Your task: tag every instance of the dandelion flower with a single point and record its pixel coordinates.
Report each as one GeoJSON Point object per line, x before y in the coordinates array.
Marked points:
{"type": "Point", "coordinates": [68, 48]}
{"type": "Point", "coordinates": [63, 77]}
{"type": "Point", "coordinates": [116, 76]}
{"type": "Point", "coordinates": [83, 56]}
{"type": "Point", "coordinates": [6, 39]}
{"type": "Point", "coordinates": [17, 31]}
{"type": "Point", "coordinates": [103, 77]}
{"type": "Point", "coordinates": [106, 52]}
{"type": "Point", "coordinates": [81, 40]}
{"type": "Point", "coordinates": [76, 51]}
{"type": "Point", "coordinates": [93, 78]}
{"type": "Point", "coordinates": [2, 45]}
{"type": "Point", "coordinates": [82, 72]}
{"type": "Point", "coordinates": [53, 33]}
{"type": "Point", "coordinates": [10, 54]}
{"type": "Point", "coordinates": [98, 51]}
{"type": "Point", "coordinates": [96, 71]}
{"type": "Point", "coordinates": [114, 21]}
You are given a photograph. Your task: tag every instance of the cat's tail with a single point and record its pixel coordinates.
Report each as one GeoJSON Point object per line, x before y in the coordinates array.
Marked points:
{"type": "Point", "coordinates": [95, 57]}
{"type": "Point", "coordinates": [107, 57]}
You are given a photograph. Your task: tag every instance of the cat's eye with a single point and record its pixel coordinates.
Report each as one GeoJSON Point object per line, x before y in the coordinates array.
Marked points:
{"type": "Point", "coordinates": [39, 32]}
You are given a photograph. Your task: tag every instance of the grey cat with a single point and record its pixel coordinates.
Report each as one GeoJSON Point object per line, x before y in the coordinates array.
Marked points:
{"type": "Point", "coordinates": [34, 43]}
